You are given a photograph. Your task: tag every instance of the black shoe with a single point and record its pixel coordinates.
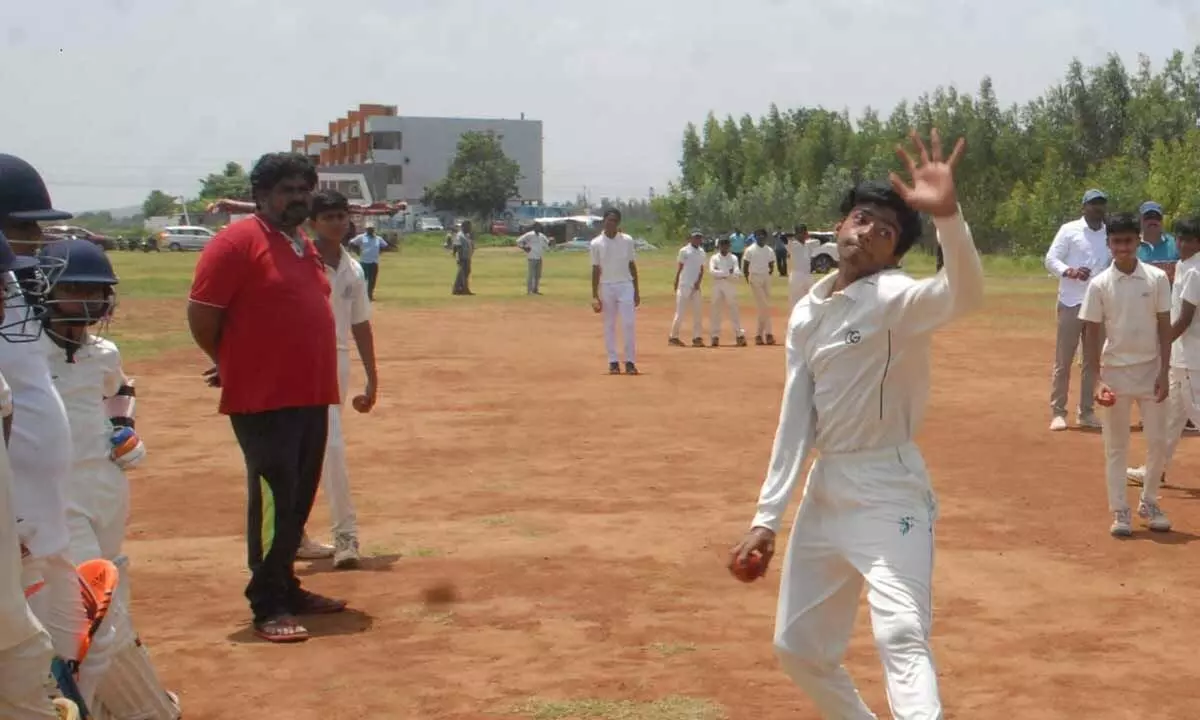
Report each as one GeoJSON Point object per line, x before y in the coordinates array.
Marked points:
{"type": "Point", "coordinates": [675, 341]}
{"type": "Point", "coordinates": [614, 368]}
{"type": "Point", "coordinates": [770, 339]}
{"type": "Point", "coordinates": [631, 369]}
{"type": "Point", "coordinates": [741, 341]}
{"type": "Point", "coordinates": [758, 340]}
{"type": "Point", "coordinates": [716, 342]}
{"type": "Point", "coordinates": [697, 342]}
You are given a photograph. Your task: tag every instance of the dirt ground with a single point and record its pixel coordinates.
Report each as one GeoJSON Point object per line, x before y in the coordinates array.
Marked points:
{"type": "Point", "coordinates": [583, 519]}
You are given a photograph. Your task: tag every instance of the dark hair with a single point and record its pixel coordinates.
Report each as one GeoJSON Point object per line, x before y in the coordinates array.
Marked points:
{"type": "Point", "coordinates": [612, 211]}
{"type": "Point", "coordinates": [272, 168]}
{"type": "Point", "coordinates": [328, 201]}
{"type": "Point", "coordinates": [873, 192]}
{"type": "Point", "coordinates": [801, 228]}
{"type": "Point", "coordinates": [1123, 223]}
{"type": "Point", "coordinates": [1188, 227]}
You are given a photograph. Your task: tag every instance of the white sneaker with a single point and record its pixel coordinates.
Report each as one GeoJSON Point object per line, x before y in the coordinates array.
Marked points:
{"type": "Point", "coordinates": [1136, 476]}
{"type": "Point", "coordinates": [1122, 525]}
{"type": "Point", "coordinates": [1090, 422]}
{"type": "Point", "coordinates": [1058, 424]}
{"type": "Point", "coordinates": [311, 550]}
{"type": "Point", "coordinates": [1155, 518]}
{"type": "Point", "coordinates": [345, 552]}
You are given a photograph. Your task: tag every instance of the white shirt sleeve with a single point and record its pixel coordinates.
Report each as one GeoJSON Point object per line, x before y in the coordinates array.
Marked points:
{"type": "Point", "coordinates": [678, 258]}
{"type": "Point", "coordinates": [632, 249]}
{"type": "Point", "coordinates": [596, 254]}
{"type": "Point", "coordinates": [932, 302]}
{"type": "Point", "coordinates": [1189, 292]}
{"type": "Point", "coordinates": [793, 441]}
{"type": "Point", "coordinates": [1092, 309]}
{"type": "Point", "coordinates": [1056, 256]}
{"type": "Point", "coordinates": [1162, 293]}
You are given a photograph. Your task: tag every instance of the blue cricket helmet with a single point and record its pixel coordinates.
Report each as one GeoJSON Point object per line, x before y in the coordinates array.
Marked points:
{"type": "Point", "coordinates": [81, 261]}
{"type": "Point", "coordinates": [23, 194]}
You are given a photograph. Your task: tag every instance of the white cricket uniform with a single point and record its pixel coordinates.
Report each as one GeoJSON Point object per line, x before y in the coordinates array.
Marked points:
{"type": "Point", "coordinates": [40, 456]}
{"type": "Point", "coordinates": [688, 298]}
{"type": "Point", "coordinates": [759, 259]}
{"type": "Point", "coordinates": [613, 255]}
{"type": "Point", "coordinates": [856, 390]}
{"type": "Point", "coordinates": [799, 271]}
{"type": "Point", "coordinates": [1183, 403]}
{"type": "Point", "coordinates": [25, 650]}
{"type": "Point", "coordinates": [1127, 305]}
{"type": "Point", "coordinates": [537, 244]}
{"type": "Point", "coordinates": [351, 307]}
{"type": "Point", "coordinates": [725, 271]}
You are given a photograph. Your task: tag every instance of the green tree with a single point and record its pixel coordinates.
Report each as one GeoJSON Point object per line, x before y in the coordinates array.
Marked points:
{"type": "Point", "coordinates": [157, 204]}
{"type": "Point", "coordinates": [480, 181]}
{"type": "Point", "coordinates": [231, 183]}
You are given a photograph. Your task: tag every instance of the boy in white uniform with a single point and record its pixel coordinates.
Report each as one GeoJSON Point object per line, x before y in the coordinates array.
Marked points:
{"type": "Point", "coordinates": [688, 276]}
{"type": "Point", "coordinates": [615, 290]}
{"type": "Point", "coordinates": [725, 267]}
{"type": "Point", "coordinates": [857, 384]}
{"type": "Point", "coordinates": [759, 262]}
{"type": "Point", "coordinates": [100, 400]}
{"type": "Point", "coordinates": [534, 244]}
{"type": "Point", "coordinates": [799, 266]}
{"type": "Point", "coordinates": [352, 317]}
{"type": "Point", "coordinates": [1127, 309]}
{"type": "Point", "coordinates": [1183, 402]}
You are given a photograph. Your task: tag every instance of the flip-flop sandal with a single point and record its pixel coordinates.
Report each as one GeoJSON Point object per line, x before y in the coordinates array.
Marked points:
{"type": "Point", "coordinates": [314, 604]}
{"type": "Point", "coordinates": [281, 629]}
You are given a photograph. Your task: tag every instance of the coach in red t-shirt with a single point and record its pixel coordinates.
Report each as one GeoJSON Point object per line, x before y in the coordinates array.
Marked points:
{"type": "Point", "coordinates": [259, 308]}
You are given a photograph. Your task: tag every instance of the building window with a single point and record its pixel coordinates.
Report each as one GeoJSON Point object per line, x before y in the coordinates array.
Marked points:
{"type": "Point", "coordinates": [395, 175]}
{"type": "Point", "coordinates": [350, 189]}
{"type": "Point", "coordinates": [387, 140]}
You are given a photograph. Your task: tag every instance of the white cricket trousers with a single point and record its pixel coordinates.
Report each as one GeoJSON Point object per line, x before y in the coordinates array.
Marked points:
{"type": "Point", "coordinates": [760, 285]}
{"type": "Point", "coordinates": [725, 294]}
{"type": "Point", "coordinates": [616, 299]}
{"type": "Point", "coordinates": [1183, 404]}
{"type": "Point", "coordinates": [688, 300]}
{"type": "Point", "coordinates": [335, 473]}
{"type": "Point", "coordinates": [24, 680]}
{"type": "Point", "coordinates": [865, 516]}
{"type": "Point", "coordinates": [798, 286]}
{"type": "Point", "coordinates": [1133, 384]}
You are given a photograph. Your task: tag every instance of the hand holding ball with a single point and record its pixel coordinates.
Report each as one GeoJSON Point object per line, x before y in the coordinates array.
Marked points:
{"type": "Point", "coordinates": [596, 305]}
{"type": "Point", "coordinates": [1106, 397]}
{"type": "Point", "coordinates": [748, 570]}
{"type": "Point", "coordinates": [362, 403]}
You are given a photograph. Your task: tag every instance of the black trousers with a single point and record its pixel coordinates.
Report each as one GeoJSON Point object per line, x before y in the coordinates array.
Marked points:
{"type": "Point", "coordinates": [371, 270]}
{"type": "Point", "coordinates": [781, 259]}
{"type": "Point", "coordinates": [284, 450]}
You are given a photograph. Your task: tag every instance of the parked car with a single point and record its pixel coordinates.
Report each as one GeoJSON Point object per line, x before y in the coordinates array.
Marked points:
{"type": "Point", "coordinates": [822, 247]}
{"type": "Point", "coordinates": [63, 232]}
{"type": "Point", "coordinates": [177, 238]}
{"type": "Point", "coordinates": [579, 244]}
{"type": "Point", "coordinates": [430, 224]}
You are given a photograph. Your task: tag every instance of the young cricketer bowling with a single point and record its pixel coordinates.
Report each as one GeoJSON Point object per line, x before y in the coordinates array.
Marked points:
{"type": "Point", "coordinates": [615, 290]}
{"type": "Point", "coordinates": [858, 352]}
{"type": "Point", "coordinates": [688, 276]}
{"type": "Point", "coordinates": [352, 317]}
{"type": "Point", "coordinates": [1127, 309]}
{"type": "Point", "coordinates": [1183, 402]}
{"type": "Point", "coordinates": [725, 268]}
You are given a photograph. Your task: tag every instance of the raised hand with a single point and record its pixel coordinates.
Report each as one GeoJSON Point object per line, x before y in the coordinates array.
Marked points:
{"type": "Point", "coordinates": [932, 190]}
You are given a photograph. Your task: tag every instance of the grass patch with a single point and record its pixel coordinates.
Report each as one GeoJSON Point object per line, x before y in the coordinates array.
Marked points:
{"type": "Point", "coordinates": [672, 649]}
{"type": "Point", "coordinates": [676, 707]}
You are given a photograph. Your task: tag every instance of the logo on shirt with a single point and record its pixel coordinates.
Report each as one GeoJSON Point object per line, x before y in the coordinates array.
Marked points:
{"type": "Point", "coordinates": [853, 337]}
{"type": "Point", "coordinates": [906, 524]}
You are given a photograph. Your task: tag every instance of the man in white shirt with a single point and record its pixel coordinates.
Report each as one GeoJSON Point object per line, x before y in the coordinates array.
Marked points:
{"type": "Point", "coordinates": [759, 262]}
{"type": "Point", "coordinates": [858, 367]}
{"type": "Point", "coordinates": [688, 275]}
{"type": "Point", "coordinates": [534, 244]}
{"type": "Point", "coordinates": [369, 246]}
{"type": "Point", "coordinates": [1127, 311]}
{"type": "Point", "coordinates": [352, 317]}
{"type": "Point", "coordinates": [615, 290]}
{"type": "Point", "coordinates": [800, 266]}
{"type": "Point", "coordinates": [1078, 253]}
{"type": "Point", "coordinates": [725, 268]}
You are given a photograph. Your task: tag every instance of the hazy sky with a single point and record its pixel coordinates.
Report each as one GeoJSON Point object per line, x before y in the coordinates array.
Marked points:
{"type": "Point", "coordinates": [112, 98]}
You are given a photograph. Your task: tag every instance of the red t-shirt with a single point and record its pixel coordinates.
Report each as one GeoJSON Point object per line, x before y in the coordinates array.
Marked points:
{"type": "Point", "coordinates": [278, 345]}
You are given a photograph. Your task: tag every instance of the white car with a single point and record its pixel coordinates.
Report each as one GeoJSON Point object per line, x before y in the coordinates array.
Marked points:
{"type": "Point", "coordinates": [822, 248]}
{"type": "Point", "coordinates": [429, 224]}
{"type": "Point", "coordinates": [177, 238]}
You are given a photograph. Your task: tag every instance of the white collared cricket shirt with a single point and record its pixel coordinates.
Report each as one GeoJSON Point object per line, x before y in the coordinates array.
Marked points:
{"type": "Point", "coordinates": [692, 259]}
{"type": "Point", "coordinates": [1127, 304]}
{"type": "Point", "coordinates": [1185, 351]}
{"type": "Point", "coordinates": [759, 259]}
{"type": "Point", "coordinates": [348, 297]}
{"type": "Point", "coordinates": [613, 255]}
{"type": "Point", "coordinates": [724, 267]}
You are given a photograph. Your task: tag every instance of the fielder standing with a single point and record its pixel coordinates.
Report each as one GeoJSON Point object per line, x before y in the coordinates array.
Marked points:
{"type": "Point", "coordinates": [759, 263]}
{"type": "Point", "coordinates": [857, 385]}
{"type": "Point", "coordinates": [725, 269]}
{"type": "Point", "coordinates": [463, 247]}
{"type": "Point", "coordinates": [688, 276]}
{"type": "Point", "coordinates": [370, 247]}
{"type": "Point", "coordinates": [1127, 310]}
{"type": "Point", "coordinates": [534, 244]}
{"type": "Point", "coordinates": [800, 276]}
{"type": "Point", "coordinates": [615, 290]}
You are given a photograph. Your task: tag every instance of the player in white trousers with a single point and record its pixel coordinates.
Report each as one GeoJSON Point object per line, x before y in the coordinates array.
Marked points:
{"type": "Point", "coordinates": [352, 317]}
{"type": "Point", "coordinates": [688, 299]}
{"type": "Point", "coordinates": [799, 266]}
{"type": "Point", "coordinates": [758, 264]}
{"type": "Point", "coordinates": [1183, 401]}
{"type": "Point", "coordinates": [615, 290]}
{"type": "Point", "coordinates": [725, 269]}
{"type": "Point", "coordinates": [858, 376]}
{"type": "Point", "coordinates": [100, 401]}
{"type": "Point", "coordinates": [1127, 309]}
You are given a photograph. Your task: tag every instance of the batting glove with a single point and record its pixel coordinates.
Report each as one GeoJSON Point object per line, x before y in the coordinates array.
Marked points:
{"type": "Point", "coordinates": [127, 448]}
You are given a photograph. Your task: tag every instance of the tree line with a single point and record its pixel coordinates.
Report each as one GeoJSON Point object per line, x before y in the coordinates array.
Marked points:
{"type": "Point", "coordinates": [1134, 134]}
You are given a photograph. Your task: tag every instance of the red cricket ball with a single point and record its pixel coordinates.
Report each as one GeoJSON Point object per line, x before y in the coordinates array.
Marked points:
{"type": "Point", "coordinates": [750, 569]}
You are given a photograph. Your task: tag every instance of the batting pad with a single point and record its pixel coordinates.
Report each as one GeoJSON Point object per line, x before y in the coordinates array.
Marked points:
{"type": "Point", "coordinates": [131, 690]}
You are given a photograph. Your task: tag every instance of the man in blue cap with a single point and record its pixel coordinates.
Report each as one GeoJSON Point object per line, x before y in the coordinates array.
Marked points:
{"type": "Point", "coordinates": [1157, 248]}
{"type": "Point", "coordinates": [1079, 252]}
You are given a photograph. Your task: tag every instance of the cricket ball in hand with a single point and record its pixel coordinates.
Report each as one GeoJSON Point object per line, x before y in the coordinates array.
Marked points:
{"type": "Point", "coordinates": [361, 403]}
{"type": "Point", "coordinates": [1106, 397]}
{"type": "Point", "coordinates": [595, 306]}
{"type": "Point", "coordinates": [748, 570]}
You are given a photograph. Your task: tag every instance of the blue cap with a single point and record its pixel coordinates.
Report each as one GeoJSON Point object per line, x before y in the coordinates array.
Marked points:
{"type": "Point", "coordinates": [10, 260]}
{"type": "Point", "coordinates": [1094, 195]}
{"type": "Point", "coordinates": [1150, 207]}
